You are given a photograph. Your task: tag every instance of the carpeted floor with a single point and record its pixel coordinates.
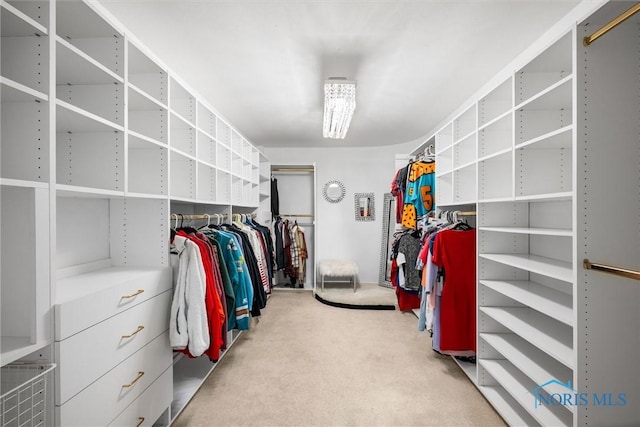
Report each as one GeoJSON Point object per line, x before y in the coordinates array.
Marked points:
{"type": "Point", "coordinates": [309, 364]}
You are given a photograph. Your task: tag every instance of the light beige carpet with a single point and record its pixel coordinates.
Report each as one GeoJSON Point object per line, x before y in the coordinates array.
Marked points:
{"type": "Point", "coordinates": [308, 364]}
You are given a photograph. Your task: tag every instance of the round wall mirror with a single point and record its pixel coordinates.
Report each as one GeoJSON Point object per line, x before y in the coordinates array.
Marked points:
{"type": "Point", "coordinates": [333, 191]}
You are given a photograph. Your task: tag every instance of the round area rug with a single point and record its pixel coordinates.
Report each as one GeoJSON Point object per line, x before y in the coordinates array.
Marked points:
{"type": "Point", "coordinates": [368, 296]}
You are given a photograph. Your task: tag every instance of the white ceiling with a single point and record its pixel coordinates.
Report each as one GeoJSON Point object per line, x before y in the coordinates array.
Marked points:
{"type": "Point", "coordinates": [261, 63]}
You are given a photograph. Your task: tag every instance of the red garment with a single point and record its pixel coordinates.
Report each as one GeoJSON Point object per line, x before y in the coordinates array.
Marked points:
{"type": "Point", "coordinates": [219, 287]}
{"type": "Point", "coordinates": [396, 191]}
{"type": "Point", "coordinates": [454, 250]}
{"type": "Point", "coordinates": [406, 300]}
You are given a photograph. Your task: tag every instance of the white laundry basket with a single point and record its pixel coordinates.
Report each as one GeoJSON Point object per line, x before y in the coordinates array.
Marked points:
{"type": "Point", "coordinates": [24, 394]}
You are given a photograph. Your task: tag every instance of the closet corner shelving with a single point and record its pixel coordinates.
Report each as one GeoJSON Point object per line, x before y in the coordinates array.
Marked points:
{"type": "Point", "coordinates": [25, 179]}
{"type": "Point", "coordinates": [101, 139]}
{"type": "Point", "coordinates": [532, 165]}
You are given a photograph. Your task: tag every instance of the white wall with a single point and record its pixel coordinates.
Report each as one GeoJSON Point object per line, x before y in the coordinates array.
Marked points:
{"type": "Point", "coordinates": [361, 170]}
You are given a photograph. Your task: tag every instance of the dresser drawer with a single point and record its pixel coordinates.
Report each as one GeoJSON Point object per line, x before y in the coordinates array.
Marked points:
{"type": "Point", "coordinates": [86, 356]}
{"type": "Point", "coordinates": [150, 405]}
{"type": "Point", "coordinates": [86, 299]}
{"type": "Point", "coordinates": [98, 404]}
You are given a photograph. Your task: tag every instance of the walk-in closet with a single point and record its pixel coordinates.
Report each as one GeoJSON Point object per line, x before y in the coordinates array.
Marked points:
{"type": "Point", "coordinates": [175, 178]}
{"type": "Point", "coordinates": [292, 207]}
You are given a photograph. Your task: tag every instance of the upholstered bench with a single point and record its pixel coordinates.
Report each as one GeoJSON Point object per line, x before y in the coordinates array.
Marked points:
{"type": "Point", "coordinates": [338, 268]}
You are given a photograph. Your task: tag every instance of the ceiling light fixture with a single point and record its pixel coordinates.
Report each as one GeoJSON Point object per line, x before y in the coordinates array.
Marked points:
{"type": "Point", "coordinates": [339, 105]}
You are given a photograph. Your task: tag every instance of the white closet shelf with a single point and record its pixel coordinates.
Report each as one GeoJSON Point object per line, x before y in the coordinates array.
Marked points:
{"type": "Point", "coordinates": [444, 149]}
{"type": "Point", "coordinates": [173, 198]}
{"type": "Point", "coordinates": [496, 200]}
{"type": "Point", "coordinates": [17, 24]}
{"type": "Point", "coordinates": [549, 267]}
{"type": "Point", "coordinates": [507, 407]}
{"type": "Point", "coordinates": [468, 368]}
{"type": "Point", "coordinates": [530, 230]}
{"type": "Point", "coordinates": [495, 119]}
{"type": "Point", "coordinates": [223, 144]}
{"type": "Point", "coordinates": [547, 197]}
{"type": "Point", "coordinates": [465, 136]}
{"type": "Point", "coordinates": [131, 194]}
{"type": "Point", "coordinates": [72, 119]}
{"type": "Point", "coordinates": [498, 153]}
{"type": "Point", "coordinates": [548, 301]}
{"type": "Point", "coordinates": [557, 139]}
{"type": "Point", "coordinates": [185, 123]}
{"type": "Point", "coordinates": [64, 190]}
{"type": "Point", "coordinates": [543, 332]}
{"type": "Point", "coordinates": [77, 20]}
{"type": "Point", "coordinates": [224, 170]}
{"type": "Point", "coordinates": [520, 387]}
{"type": "Point", "coordinates": [144, 138]}
{"type": "Point", "coordinates": [150, 100]}
{"type": "Point", "coordinates": [140, 100]}
{"type": "Point", "coordinates": [555, 97]}
{"type": "Point", "coordinates": [183, 154]}
{"type": "Point", "coordinates": [206, 134]}
{"type": "Point", "coordinates": [76, 67]}
{"type": "Point", "coordinates": [463, 202]}
{"type": "Point", "coordinates": [190, 374]}
{"type": "Point", "coordinates": [7, 182]}
{"type": "Point", "coordinates": [15, 348]}
{"type": "Point", "coordinates": [207, 164]}
{"type": "Point", "coordinates": [538, 366]}
{"type": "Point", "coordinates": [237, 175]}
{"type": "Point", "coordinates": [464, 166]}
{"type": "Point", "coordinates": [13, 91]}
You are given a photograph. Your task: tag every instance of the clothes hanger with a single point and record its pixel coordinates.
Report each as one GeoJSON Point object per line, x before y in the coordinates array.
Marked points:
{"type": "Point", "coordinates": [430, 154]}
{"type": "Point", "coordinates": [206, 226]}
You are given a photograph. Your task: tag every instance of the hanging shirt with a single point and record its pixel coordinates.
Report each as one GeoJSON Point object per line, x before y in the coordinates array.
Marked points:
{"type": "Point", "coordinates": [275, 200]}
{"type": "Point", "coordinates": [454, 251]}
{"type": "Point", "coordinates": [420, 194]}
{"type": "Point", "coordinates": [238, 273]}
{"type": "Point", "coordinates": [409, 246]}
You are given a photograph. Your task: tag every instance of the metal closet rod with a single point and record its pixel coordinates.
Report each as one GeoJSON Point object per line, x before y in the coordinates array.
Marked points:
{"type": "Point", "coordinates": [612, 24]}
{"type": "Point", "coordinates": [292, 169]}
{"type": "Point", "coordinates": [198, 216]}
{"type": "Point", "coordinates": [618, 271]}
{"type": "Point", "coordinates": [294, 215]}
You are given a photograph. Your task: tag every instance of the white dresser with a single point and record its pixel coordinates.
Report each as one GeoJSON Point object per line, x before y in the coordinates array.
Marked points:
{"type": "Point", "coordinates": [112, 347]}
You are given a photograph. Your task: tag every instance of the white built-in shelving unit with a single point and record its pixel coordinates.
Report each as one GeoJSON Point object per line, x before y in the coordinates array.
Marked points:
{"type": "Point", "coordinates": [100, 143]}
{"type": "Point", "coordinates": [549, 157]}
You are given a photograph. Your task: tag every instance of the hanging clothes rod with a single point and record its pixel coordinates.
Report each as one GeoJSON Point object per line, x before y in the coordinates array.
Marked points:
{"type": "Point", "coordinates": [466, 213]}
{"type": "Point", "coordinates": [631, 274]}
{"type": "Point", "coordinates": [298, 215]}
{"type": "Point", "coordinates": [292, 169]}
{"type": "Point", "coordinates": [198, 216]}
{"type": "Point", "coordinates": [612, 24]}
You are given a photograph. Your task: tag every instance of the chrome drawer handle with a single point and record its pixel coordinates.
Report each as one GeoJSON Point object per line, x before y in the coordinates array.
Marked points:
{"type": "Point", "coordinates": [140, 422]}
{"type": "Point", "coordinates": [138, 292]}
{"type": "Point", "coordinates": [136, 331]}
{"type": "Point", "coordinates": [140, 374]}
